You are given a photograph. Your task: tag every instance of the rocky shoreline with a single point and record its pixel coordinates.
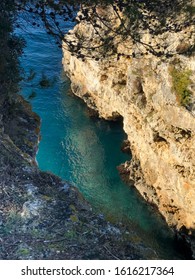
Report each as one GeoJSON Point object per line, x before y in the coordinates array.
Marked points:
{"type": "Point", "coordinates": [143, 91]}
{"type": "Point", "coordinates": [41, 216]}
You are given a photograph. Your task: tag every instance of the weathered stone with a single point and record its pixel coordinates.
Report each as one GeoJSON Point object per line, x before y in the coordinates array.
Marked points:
{"type": "Point", "coordinates": [41, 216]}
{"type": "Point", "coordinates": [160, 130]}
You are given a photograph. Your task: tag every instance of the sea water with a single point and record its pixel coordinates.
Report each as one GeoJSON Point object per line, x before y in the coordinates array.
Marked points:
{"type": "Point", "coordinates": [82, 150]}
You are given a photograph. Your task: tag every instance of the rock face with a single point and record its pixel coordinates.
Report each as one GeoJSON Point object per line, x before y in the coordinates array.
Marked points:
{"type": "Point", "coordinates": [144, 90]}
{"type": "Point", "coordinates": [41, 216]}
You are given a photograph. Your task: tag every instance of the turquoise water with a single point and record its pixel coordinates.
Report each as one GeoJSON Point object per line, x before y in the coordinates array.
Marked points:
{"type": "Point", "coordinates": [85, 151]}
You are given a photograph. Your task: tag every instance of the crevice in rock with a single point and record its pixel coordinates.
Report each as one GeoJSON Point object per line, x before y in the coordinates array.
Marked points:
{"type": "Point", "coordinates": [180, 133]}
{"type": "Point", "coordinates": [158, 138]}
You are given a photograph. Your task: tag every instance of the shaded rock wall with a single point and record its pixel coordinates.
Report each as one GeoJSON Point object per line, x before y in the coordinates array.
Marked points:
{"type": "Point", "coordinates": [41, 216]}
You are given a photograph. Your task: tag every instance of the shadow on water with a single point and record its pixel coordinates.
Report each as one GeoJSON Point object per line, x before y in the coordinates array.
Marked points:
{"type": "Point", "coordinates": [85, 151]}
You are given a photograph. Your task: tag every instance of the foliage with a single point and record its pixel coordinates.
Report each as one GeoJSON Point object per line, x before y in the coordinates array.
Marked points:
{"type": "Point", "coordinates": [181, 81]}
{"type": "Point", "coordinates": [190, 9]}
{"type": "Point", "coordinates": [10, 48]}
{"type": "Point", "coordinates": [133, 18]}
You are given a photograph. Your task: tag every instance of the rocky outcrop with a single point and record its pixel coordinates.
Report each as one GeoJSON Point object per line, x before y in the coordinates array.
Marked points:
{"type": "Point", "coordinates": [41, 216]}
{"type": "Point", "coordinates": [145, 91]}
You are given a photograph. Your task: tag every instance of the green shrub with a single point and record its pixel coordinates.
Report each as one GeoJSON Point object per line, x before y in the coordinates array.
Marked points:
{"type": "Point", "coordinates": [181, 81]}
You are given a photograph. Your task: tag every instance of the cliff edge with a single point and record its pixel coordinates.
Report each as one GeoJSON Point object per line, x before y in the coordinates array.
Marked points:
{"type": "Point", "coordinates": [156, 98]}
{"type": "Point", "coordinates": [41, 216]}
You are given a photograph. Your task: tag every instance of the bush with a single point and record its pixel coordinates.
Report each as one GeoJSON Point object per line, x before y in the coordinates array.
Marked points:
{"type": "Point", "coordinates": [181, 81]}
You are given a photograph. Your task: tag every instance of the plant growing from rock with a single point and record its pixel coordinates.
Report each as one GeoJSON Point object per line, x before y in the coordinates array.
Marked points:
{"type": "Point", "coordinates": [112, 21]}
{"type": "Point", "coordinates": [181, 81]}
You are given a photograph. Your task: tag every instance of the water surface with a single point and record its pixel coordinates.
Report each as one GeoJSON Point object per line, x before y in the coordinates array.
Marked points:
{"type": "Point", "coordinates": [85, 151]}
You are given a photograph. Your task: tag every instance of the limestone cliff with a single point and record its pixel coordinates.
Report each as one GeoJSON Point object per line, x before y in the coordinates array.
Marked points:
{"type": "Point", "coordinates": [144, 90]}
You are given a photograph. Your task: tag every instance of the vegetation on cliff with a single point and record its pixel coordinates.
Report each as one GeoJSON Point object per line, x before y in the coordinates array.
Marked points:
{"type": "Point", "coordinates": [11, 48]}
{"type": "Point", "coordinates": [142, 83]}
{"type": "Point", "coordinates": [113, 21]}
{"type": "Point", "coordinates": [42, 217]}
{"type": "Point", "coordinates": [181, 81]}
